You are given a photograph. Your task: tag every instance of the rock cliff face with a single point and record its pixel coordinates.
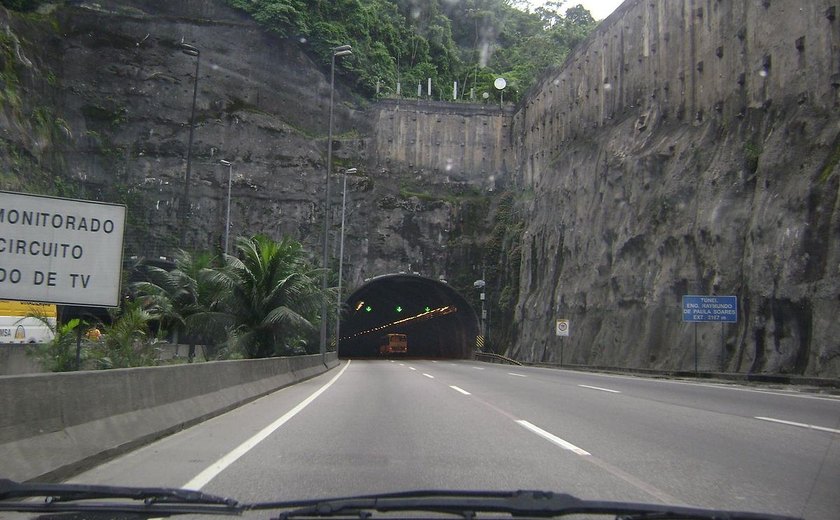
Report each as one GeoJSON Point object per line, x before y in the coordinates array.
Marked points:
{"type": "Point", "coordinates": [97, 105]}
{"type": "Point", "coordinates": [687, 147]}
{"type": "Point", "coordinates": [690, 147]}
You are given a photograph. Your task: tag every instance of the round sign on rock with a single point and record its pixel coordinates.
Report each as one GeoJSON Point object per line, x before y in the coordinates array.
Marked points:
{"type": "Point", "coordinates": [562, 328]}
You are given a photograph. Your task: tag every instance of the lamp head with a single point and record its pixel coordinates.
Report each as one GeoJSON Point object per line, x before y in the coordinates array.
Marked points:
{"type": "Point", "coordinates": [190, 49]}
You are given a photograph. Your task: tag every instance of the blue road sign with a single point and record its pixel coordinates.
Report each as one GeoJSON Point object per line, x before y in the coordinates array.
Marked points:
{"type": "Point", "coordinates": [710, 308]}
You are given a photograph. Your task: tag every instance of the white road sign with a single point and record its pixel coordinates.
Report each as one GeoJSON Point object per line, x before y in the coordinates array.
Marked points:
{"type": "Point", "coordinates": [60, 250]}
{"type": "Point", "coordinates": [562, 328]}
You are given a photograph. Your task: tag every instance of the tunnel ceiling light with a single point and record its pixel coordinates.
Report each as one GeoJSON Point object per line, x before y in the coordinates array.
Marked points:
{"type": "Point", "coordinates": [360, 305]}
{"type": "Point", "coordinates": [433, 313]}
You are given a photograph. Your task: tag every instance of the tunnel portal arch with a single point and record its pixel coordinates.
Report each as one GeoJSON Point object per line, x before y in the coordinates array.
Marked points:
{"type": "Point", "coordinates": [437, 320]}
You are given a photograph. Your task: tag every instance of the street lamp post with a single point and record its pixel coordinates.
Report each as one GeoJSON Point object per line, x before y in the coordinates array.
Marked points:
{"type": "Point", "coordinates": [342, 50]}
{"type": "Point", "coordinates": [189, 50]}
{"type": "Point", "coordinates": [227, 216]}
{"type": "Point", "coordinates": [341, 257]}
{"type": "Point", "coordinates": [479, 284]}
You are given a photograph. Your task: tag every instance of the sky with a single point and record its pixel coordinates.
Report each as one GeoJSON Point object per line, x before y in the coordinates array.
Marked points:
{"type": "Point", "coordinates": [600, 9]}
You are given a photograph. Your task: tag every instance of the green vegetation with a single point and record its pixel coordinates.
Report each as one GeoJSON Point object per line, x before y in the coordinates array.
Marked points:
{"type": "Point", "coordinates": [752, 153]}
{"type": "Point", "coordinates": [496, 258]}
{"type": "Point", "coordinates": [59, 355]}
{"type": "Point", "coordinates": [503, 257]}
{"type": "Point", "coordinates": [112, 116]}
{"type": "Point", "coordinates": [21, 5]}
{"type": "Point", "coordinates": [453, 194]}
{"type": "Point", "coordinates": [175, 297]}
{"type": "Point", "coordinates": [128, 341]}
{"type": "Point", "coordinates": [831, 161]}
{"type": "Point", "coordinates": [271, 298]}
{"type": "Point", "coordinates": [472, 42]}
{"type": "Point", "coordinates": [263, 302]}
{"type": "Point", "coordinates": [9, 80]}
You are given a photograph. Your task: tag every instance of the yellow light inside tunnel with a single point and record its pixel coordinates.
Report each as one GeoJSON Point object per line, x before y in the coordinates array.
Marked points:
{"type": "Point", "coordinates": [359, 305]}
{"type": "Point", "coordinates": [433, 313]}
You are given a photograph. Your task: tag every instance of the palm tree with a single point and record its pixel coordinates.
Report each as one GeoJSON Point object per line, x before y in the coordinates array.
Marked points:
{"type": "Point", "coordinates": [174, 297]}
{"type": "Point", "coordinates": [272, 296]}
{"type": "Point", "coordinates": [127, 341]}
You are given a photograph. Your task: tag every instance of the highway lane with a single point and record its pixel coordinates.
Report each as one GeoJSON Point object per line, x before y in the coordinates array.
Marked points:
{"type": "Point", "coordinates": [409, 424]}
{"type": "Point", "coordinates": [698, 442]}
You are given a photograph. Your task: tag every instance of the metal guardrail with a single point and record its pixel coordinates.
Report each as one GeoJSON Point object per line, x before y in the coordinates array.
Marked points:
{"type": "Point", "coordinates": [495, 358]}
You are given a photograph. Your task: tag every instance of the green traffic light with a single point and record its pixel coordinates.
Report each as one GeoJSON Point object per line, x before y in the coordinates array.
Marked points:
{"type": "Point", "coordinates": [399, 308]}
{"type": "Point", "coordinates": [368, 308]}
{"type": "Point", "coordinates": [428, 309]}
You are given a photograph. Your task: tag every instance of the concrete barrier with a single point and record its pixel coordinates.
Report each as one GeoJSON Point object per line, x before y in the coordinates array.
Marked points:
{"type": "Point", "coordinates": [55, 425]}
{"type": "Point", "coordinates": [14, 360]}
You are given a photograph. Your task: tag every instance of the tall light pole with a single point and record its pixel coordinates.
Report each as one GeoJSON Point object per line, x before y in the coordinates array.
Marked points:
{"type": "Point", "coordinates": [341, 257]}
{"type": "Point", "coordinates": [479, 284]}
{"type": "Point", "coordinates": [189, 50]}
{"type": "Point", "coordinates": [342, 50]}
{"type": "Point", "coordinates": [227, 216]}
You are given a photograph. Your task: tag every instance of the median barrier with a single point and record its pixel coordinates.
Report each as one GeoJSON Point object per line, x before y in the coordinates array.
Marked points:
{"type": "Point", "coordinates": [58, 424]}
{"type": "Point", "coordinates": [14, 360]}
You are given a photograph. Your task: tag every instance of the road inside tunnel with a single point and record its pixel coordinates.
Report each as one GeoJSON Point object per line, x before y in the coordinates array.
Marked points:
{"type": "Point", "coordinates": [437, 321]}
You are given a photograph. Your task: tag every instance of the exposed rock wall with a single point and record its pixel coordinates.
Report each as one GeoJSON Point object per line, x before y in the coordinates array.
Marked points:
{"type": "Point", "coordinates": [688, 147]}
{"type": "Point", "coordinates": [101, 107]}
{"type": "Point", "coordinates": [123, 90]}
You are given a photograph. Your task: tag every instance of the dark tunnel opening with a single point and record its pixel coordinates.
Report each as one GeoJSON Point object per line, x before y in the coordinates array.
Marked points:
{"type": "Point", "coordinates": [437, 321]}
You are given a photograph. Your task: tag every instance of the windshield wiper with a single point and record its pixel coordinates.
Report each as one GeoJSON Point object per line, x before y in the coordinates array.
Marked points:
{"type": "Point", "coordinates": [156, 501]}
{"type": "Point", "coordinates": [469, 504]}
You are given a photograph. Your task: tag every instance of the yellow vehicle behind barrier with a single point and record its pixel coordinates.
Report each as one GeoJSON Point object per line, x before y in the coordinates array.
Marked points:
{"type": "Point", "coordinates": [24, 322]}
{"type": "Point", "coordinates": [393, 344]}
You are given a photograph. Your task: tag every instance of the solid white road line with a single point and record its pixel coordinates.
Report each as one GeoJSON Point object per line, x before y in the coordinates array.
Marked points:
{"type": "Point", "coordinates": [200, 480]}
{"type": "Point", "coordinates": [479, 368]}
{"type": "Point", "coordinates": [412, 368]}
{"type": "Point", "coordinates": [459, 390]}
{"type": "Point", "coordinates": [601, 389]}
{"type": "Point", "coordinates": [720, 386]}
{"type": "Point", "coordinates": [801, 425]}
{"type": "Point", "coordinates": [427, 375]}
{"type": "Point", "coordinates": [517, 375]}
{"type": "Point", "coordinates": [566, 445]}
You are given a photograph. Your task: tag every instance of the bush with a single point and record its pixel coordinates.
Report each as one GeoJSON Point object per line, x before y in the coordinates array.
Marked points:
{"type": "Point", "coordinates": [59, 355]}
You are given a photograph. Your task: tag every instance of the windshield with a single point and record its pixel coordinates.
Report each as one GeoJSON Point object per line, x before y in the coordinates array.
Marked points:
{"type": "Point", "coordinates": [297, 250]}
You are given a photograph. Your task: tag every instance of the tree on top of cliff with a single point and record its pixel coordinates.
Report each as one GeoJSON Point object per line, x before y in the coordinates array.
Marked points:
{"type": "Point", "coordinates": [407, 41]}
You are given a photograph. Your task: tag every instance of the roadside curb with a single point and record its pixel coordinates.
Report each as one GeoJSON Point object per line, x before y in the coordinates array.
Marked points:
{"type": "Point", "coordinates": [824, 384]}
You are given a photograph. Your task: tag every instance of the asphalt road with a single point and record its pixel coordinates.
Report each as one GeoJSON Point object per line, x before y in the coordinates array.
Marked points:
{"type": "Point", "coordinates": [383, 426]}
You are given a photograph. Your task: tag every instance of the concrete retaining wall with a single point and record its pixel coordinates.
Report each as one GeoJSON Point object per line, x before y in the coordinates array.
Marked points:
{"type": "Point", "coordinates": [445, 142]}
{"type": "Point", "coordinates": [55, 425]}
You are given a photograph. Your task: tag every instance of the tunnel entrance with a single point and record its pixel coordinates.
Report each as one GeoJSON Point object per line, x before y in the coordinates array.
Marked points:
{"type": "Point", "coordinates": [438, 322]}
